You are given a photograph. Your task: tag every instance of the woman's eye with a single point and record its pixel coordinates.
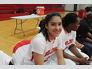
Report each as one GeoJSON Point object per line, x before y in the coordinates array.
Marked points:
{"type": "Point", "coordinates": [60, 24]}
{"type": "Point", "coordinates": [52, 24]}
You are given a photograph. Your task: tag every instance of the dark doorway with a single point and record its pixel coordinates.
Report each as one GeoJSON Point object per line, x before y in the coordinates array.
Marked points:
{"type": "Point", "coordinates": [75, 7]}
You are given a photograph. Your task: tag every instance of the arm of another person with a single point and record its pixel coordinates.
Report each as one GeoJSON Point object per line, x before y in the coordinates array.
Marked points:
{"type": "Point", "coordinates": [89, 35]}
{"type": "Point", "coordinates": [86, 36]}
{"type": "Point", "coordinates": [38, 59]}
{"type": "Point", "coordinates": [87, 40]}
{"type": "Point", "coordinates": [73, 58]}
{"type": "Point", "coordinates": [60, 58]}
{"type": "Point", "coordinates": [74, 50]}
{"type": "Point", "coordinates": [84, 33]}
{"type": "Point", "coordinates": [82, 60]}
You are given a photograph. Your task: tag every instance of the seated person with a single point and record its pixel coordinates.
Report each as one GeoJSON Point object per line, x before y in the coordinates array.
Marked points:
{"type": "Point", "coordinates": [5, 59]}
{"type": "Point", "coordinates": [46, 43]}
{"type": "Point", "coordinates": [81, 13]}
{"type": "Point", "coordinates": [83, 34]}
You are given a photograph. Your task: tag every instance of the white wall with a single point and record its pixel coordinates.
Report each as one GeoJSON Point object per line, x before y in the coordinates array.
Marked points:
{"type": "Point", "coordinates": [78, 7]}
{"type": "Point", "coordinates": [69, 7]}
{"type": "Point", "coordinates": [83, 5]}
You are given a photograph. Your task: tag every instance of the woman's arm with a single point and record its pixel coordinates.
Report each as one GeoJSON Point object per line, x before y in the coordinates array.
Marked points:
{"type": "Point", "coordinates": [89, 35]}
{"type": "Point", "coordinates": [82, 60]}
{"type": "Point", "coordinates": [38, 59]}
{"type": "Point", "coordinates": [60, 58]}
{"type": "Point", "coordinates": [87, 40]}
{"type": "Point", "coordinates": [68, 56]}
{"type": "Point", "coordinates": [74, 50]}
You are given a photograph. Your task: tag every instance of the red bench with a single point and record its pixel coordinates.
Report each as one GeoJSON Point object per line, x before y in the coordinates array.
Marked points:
{"type": "Point", "coordinates": [9, 10]}
{"type": "Point", "coordinates": [7, 16]}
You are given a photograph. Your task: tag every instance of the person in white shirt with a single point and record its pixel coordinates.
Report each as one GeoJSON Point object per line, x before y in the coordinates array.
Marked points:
{"type": "Point", "coordinates": [46, 43]}
{"type": "Point", "coordinates": [4, 58]}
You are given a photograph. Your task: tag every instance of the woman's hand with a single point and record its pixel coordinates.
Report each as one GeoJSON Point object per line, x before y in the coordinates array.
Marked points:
{"type": "Point", "coordinates": [79, 46]}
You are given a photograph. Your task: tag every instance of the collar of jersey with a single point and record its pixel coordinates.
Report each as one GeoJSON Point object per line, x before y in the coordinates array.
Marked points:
{"type": "Point", "coordinates": [50, 40]}
{"type": "Point", "coordinates": [65, 30]}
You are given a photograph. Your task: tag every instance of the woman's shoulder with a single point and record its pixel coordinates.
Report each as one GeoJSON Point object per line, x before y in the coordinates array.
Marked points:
{"type": "Point", "coordinates": [39, 37]}
{"type": "Point", "coordinates": [38, 41]}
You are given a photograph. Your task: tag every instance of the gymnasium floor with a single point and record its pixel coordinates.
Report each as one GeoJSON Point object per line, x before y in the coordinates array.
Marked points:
{"type": "Point", "coordinates": [7, 37]}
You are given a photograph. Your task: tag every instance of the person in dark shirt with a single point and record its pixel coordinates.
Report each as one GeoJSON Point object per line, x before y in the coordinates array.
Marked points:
{"type": "Point", "coordinates": [83, 34]}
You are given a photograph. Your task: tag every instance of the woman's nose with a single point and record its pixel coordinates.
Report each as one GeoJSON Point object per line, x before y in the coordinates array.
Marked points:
{"type": "Point", "coordinates": [57, 27]}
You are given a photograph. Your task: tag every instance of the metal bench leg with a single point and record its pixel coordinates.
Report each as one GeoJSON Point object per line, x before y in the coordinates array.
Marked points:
{"type": "Point", "coordinates": [22, 28]}
{"type": "Point", "coordinates": [16, 28]}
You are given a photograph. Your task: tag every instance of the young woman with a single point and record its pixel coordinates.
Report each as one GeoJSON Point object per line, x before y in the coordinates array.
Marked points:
{"type": "Point", "coordinates": [46, 43]}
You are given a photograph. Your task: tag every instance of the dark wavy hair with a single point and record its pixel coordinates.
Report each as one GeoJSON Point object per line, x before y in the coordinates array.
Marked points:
{"type": "Point", "coordinates": [45, 22]}
{"type": "Point", "coordinates": [69, 18]}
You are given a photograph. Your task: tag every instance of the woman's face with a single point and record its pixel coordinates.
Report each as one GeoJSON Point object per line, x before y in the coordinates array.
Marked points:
{"type": "Point", "coordinates": [76, 25]}
{"type": "Point", "coordinates": [54, 27]}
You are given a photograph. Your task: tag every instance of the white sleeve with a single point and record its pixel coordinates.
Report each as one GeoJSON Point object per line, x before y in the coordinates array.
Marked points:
{"type": "Point", "coordinates": [38, 45]}
{"type": "Point", "coordinates": [5, 59]}
{"type": "Point", "coordinates": [74, 37]}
